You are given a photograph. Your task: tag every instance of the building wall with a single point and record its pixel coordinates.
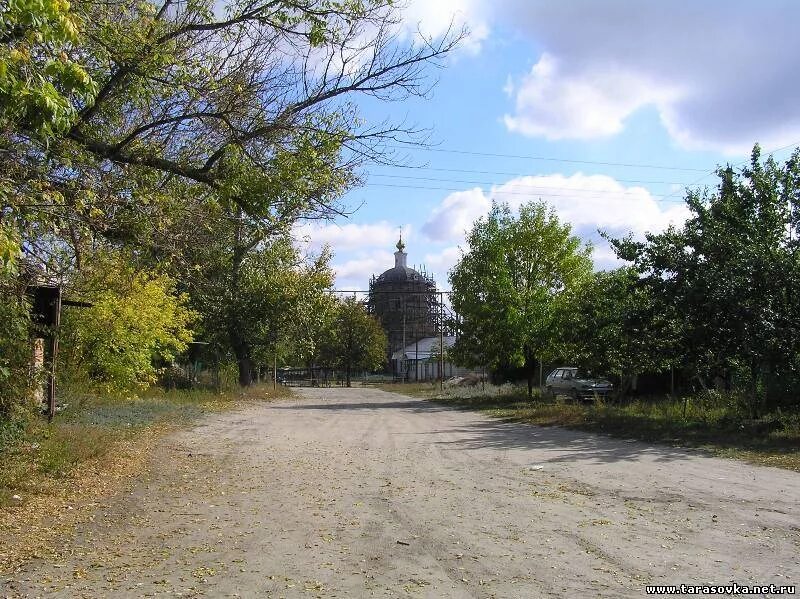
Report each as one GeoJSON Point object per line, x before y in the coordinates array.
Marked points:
{"type": "Point", "coordinates": [427, 370]}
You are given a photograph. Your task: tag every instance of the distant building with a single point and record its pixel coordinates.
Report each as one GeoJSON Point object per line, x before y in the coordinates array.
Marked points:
{"type": "Point", "coordinates": [420, 360]}
{"type": "Point", "coordinates": [406, 304]}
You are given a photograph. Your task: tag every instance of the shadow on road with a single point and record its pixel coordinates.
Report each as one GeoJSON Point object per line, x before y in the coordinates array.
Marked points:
{"type": "Point", "coordinates": [562, 445]}
{"type": "Point", "coordinates": [413, 405]}
{"type": "Point", "coordinates": [479, 432]}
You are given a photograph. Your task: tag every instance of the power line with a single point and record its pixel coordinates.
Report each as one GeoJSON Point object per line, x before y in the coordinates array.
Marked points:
{"type": "Point", "coordinates": [514, 174]}
{"type": "Point", "coordinates": [542, 188]}
{"type": "Point", "coordinates": [429, 188]}
{"type": "Point", "coordinates": [712, 172]}
{"type": "Point", "coordinates": [547, 158]}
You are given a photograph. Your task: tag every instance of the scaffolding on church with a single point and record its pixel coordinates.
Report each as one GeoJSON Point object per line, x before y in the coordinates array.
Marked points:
{"type": "Point", "coordinates": [408, 306]}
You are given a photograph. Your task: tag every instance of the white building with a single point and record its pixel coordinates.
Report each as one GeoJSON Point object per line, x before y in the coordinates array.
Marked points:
{"type": "Point", "coordinates": [420, 360]}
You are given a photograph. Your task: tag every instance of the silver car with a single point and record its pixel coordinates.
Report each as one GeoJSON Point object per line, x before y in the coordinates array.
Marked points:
{"type": "Point", "coordinates": [572, 381]}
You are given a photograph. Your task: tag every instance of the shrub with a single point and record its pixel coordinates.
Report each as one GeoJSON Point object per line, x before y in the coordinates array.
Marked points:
{"type": "Point", "coordinates": [15, 352]}
{"type": "Point", "coordinates": [137, 321]}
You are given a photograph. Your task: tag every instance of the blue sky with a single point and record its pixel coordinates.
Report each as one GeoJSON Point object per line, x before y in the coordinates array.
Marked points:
{"type": "Point", "coordinates": [575, 103]}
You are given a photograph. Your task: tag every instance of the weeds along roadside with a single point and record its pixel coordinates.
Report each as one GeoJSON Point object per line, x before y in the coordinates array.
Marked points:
{"type": "Point", "coordinates": [714, 421]}
{"type": "Point", "coordinates": [50, 471]}
{"type": "Point", "coordinates": [36, 452]}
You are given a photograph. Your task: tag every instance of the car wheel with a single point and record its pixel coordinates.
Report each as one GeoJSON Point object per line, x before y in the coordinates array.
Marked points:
{"type": "Point", "coordinates": [576, 396]}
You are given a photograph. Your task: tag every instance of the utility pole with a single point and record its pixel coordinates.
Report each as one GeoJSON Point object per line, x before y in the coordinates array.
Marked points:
{"type": "Point", "coordinates": [441, 341]}
{"type": "Point", "coordinates": [403, 361]}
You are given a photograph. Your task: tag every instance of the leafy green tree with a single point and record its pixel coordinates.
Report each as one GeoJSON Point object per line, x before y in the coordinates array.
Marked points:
{"type": "Point", "coordinates": [238, 97]}
{"type": "Point", "coordinates": [40, 85]}
{"type": "Point", "coordinates": [511, 288]}
{"type": "Point", "coordinates": [237, 113]}
{"type": "Point", "coordinates": [40, 81]}
{"type": "Point", "coordinates": [273, 305]}
{"type": "Point", "coordinates": [15, 349]}
{"type": "Point", "coordinates": [137, 321]}
{"type": "Point", "coordinates": [358, 342]}
{"type": "Point", "coordinates": [615, 326]}
{"type": "Point", "coordinates": [147, 129]}
{"type": "Point", "coordinates": [729, 277]}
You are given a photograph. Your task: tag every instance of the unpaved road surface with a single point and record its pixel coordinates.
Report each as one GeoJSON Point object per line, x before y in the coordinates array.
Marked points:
{"type": "Point", "coordinates": [361, 493]}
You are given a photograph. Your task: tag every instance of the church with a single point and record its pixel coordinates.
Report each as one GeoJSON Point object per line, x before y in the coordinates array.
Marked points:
{"type": "Point", "coordinates": [408, 306]}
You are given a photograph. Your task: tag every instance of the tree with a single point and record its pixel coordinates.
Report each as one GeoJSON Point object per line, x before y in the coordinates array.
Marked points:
{"type": "Point", "coordinates": [358, 341]}
{"type": "Point", "coordinates": [615, 326]}
{"type": "Point", "coordinates": [275, 300]}
{"type": "Point", "coordinates": [41, 82]}
{"type": "Point", "coordinates": [15, 348]}
{"type": "Point", "coordinates": [242, 112]}
{"type": "Point", "coordinates": [38, 82]}
{"type": "Point", "coordinates": [234, 103]}
{"type": "Point", "coordinates": [510, 289]}
{"type": "Point", "coordinates": [136, 322]}
{"type": "Point", "coordinates": [730, 276]}
{"type": "Point", "coordinates": [40, 85]}
{"type": "Point", "coordinates": [181, 90]}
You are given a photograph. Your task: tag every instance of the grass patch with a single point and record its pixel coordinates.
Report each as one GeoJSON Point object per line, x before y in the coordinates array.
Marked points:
{"type": "Point", "coordinates": [715, 421]}
{"type": "Point", "coordinates": [35, 454]}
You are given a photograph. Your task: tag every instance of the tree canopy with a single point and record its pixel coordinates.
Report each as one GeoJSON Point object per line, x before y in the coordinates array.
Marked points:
{"type": "Point", "coordinates": [510, 288]}
{"type": "Point", "coordinates": [357, 341]}
{"type": "Point", "coordinates": [189, 137]}
{"type": "Point", "coordinates": [728, 278]}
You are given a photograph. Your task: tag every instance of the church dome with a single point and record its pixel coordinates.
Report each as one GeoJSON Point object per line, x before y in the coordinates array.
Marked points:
{"type": "Point", "coordinates": [399, 274]}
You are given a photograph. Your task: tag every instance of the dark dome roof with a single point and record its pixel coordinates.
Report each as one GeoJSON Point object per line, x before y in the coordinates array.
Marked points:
{"type": "Point", "coordinates": [399, 274]}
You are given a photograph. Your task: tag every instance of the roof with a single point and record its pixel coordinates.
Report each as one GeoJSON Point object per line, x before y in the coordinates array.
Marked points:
{"type": "Point", "coordinates": [424, 349]}
{"type": "Point", "coordinates": [400, 274]}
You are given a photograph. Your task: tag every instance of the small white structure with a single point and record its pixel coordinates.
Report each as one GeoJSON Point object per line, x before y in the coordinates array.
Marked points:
{"type": "Point", "coordinates": [420, 360]}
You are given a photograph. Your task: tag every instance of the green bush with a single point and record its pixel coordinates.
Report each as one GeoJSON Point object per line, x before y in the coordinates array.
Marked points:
{"type": "Point", "coordinates": [137, 320]}
{"type": "Point", "coordinates": [15, 353]}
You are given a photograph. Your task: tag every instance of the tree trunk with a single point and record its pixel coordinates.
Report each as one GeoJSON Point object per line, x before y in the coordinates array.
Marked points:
{"type": "Point", "coordinates": [530, 371]}
{"type": "Point", "coordinates": [236, 328]}
{"type": "Point", "coordinates": [241, 349]}
{"type": "Point", "coordinates": [347, 375]}
{"type": "Point", "coordinates": [245, 371]}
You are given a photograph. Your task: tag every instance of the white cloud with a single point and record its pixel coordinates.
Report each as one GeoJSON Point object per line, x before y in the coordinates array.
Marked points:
{"type": "Point", "coordinates": [355, 273]}
{"type": "Point", "coordinates": [432, 19]}
{"type": "Point", "coordinates": [587, 202]}
{"type": "Point", "coordinates": [605, 258]}
{"type": "Point", "coordinates": [719, 73]}
{"type": "Point", "coordinates": [360, 249]}
{"type": "Point", "coordinates": [439, 263]}
{"type": "Point", "coordinates": [555, 105]}
{"type": "Point", "coordinates": [591, 202]}
{"type": "Point", "coordinates": [454, 217]}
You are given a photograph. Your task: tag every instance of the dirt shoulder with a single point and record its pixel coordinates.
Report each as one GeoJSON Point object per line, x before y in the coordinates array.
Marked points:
{"type": "Point", "coordinates": [54, 478]}
{"type": "Point", "coordinates": [358, 492]}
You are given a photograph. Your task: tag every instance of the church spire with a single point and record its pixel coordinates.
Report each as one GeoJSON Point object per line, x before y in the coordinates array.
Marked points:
{"type": "Point", "coordinates": [400, 255]}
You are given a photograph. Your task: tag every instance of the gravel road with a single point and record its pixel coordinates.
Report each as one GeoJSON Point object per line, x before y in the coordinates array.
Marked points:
{"type": "Point", "coordinates": [362, 493]}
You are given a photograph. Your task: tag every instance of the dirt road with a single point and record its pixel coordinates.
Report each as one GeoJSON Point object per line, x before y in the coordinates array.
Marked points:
{"type": "Point", "coordinates": [361, 493]}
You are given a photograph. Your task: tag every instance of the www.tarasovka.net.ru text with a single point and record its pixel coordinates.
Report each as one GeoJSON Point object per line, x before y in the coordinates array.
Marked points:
{"type": "Point", "coordinates": [731, 588]}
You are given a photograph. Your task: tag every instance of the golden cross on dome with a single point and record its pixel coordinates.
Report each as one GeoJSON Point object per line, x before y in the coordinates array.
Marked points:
{"type": "Point", "coordinates": [400, 245]}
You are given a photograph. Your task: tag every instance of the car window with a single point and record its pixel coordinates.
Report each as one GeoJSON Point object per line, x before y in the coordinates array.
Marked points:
{"type": "Point", "coordinates": [556, 373]}
{"type": "Point", "coordinates": [567, 373]}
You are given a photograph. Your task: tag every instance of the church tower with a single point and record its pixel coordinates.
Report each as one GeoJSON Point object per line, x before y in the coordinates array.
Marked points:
{"type": "Point", "coordinates": [405, 302]}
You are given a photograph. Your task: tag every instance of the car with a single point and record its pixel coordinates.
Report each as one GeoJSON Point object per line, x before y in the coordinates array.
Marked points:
{"type": "Point", "coordinates": [576, 383]}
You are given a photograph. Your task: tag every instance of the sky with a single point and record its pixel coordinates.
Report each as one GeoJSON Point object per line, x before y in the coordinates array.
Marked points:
{"type": "Point", "coordinates": [605, 109]}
